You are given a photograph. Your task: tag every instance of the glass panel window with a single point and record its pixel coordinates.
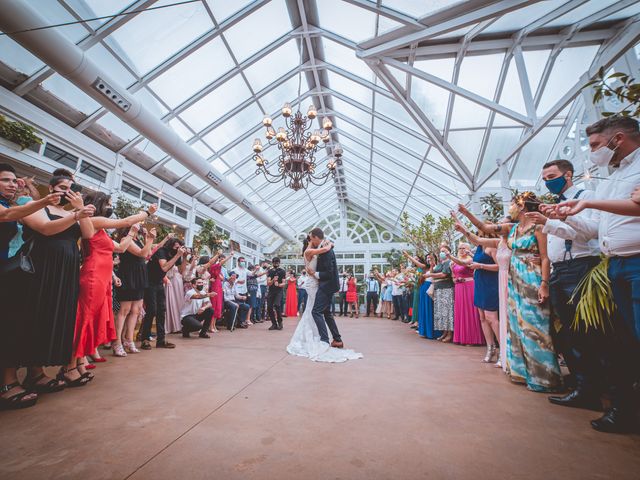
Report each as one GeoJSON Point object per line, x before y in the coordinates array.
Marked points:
{"type": "Point", "coordinates": [346, 59]}
{"type": "Point", "coordinates": [467, 146]}
{"type": "Point", "coordinates": [479, 74]}
{"type": "Point", "coordinates": [511, 96]}
{"type": "Point", "coordinates": [149, 197]}
{"type": "Point", "coordinates": [535, 61]}
{"type": "Point", "coordinates": [18, 57]}
{"type": "Point", "coordinates": [176, 167]}
{"type": "Point", "coordinates": [101, 56]}
{"type": "Point", "coordinates": [155, 35]}
{"type": "Point", "coordinates": [347, 20]}
{"type": "Point", "coordinates": [350, 88]}
{"type": "Point", "coordinates": [235, 126]}
{"type": "Point", "coordinates": [467, 114]}
{"type": "Point", "coordinates": [93, 171]}
{"type": "Point", "coordinates": [394, 111]}
{"type": "Point", "coordinates": [534, 155]}
{"type": "Point", "coordinates": [56, 14]}
{"type": "Point", "coordinates": [180, 128]}
{"type": "Point", "coordinates": [350, 111]}
{"type": "Point", "coordinates": [258, 30]}
{"type": "Point", "coordinates": [151, 103]}
{"type": "Point", "coordinates": [287, 91]}
{"type": "Point", "coordinates": [223, 9]}
{"type": "Point", "coordinates": [98, 8]}
{"type": "Point", "coordinates": [215, 104]}
{"type": "Point", "coordinates": [522, 17]}
{"type": "Point", "coordinates": [117, 126]}
{"type": "Point", "coordinates": [131, 189]}
{"type": "Point", "coordinates": [418, 9]}
{"type": "Point", "coordinates": [181, 212]}
{"type": "Point", "coordinates": [273, 66]}
{"type": "Point", "coordinates": [61, 156]}
{"type": "Point", "coordinates": [399, 136]}
{"type": "Point", "coordinates": [69, 93]}
{"type": "Point", "coordinates": [192, 74]}
{"type": "Point", "coordinates": [152, 150]}
{"type": "Point", "coordinates": [501, 142]}
{"type": "Point", "coordinates": [407, 161]}
{"type": "Point", "coordinates": [167, 206]}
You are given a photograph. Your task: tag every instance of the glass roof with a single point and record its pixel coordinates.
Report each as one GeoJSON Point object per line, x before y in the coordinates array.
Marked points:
{"type": "Point", "coordinates": [422, 120]}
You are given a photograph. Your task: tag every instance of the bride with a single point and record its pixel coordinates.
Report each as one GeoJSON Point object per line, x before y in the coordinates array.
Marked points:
{"type": "Point", "coordinates": [306, 339]}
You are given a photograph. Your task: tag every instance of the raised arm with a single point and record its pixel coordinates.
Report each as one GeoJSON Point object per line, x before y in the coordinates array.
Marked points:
{"type": "Point", "coordinates": [413, 260]}
{"type": "Point", "coordinates": [39, 221]}
{"type": "Point", "coordinates": [323, 248]}
{"type": "Point", "coordinates": [18, 212]}
{"type": "Point", "coordinates": [500, 228]}
{"type": "Point", "coordinates": [475, 239]}
{"type": "Point", "coordinates": [166, 265]}
{"type": "Point", "coordinates": [104, 222]}
{"type": "Point", "coordinates": [126, 241]}
{"type": "Point", "coordinates": [459, 261]}
{"type": "Point", "coordinates": [619, 207]}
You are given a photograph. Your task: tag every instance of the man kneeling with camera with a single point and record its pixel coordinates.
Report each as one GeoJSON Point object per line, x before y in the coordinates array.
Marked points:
{"type": "Point", "coordinates": [197, 311]}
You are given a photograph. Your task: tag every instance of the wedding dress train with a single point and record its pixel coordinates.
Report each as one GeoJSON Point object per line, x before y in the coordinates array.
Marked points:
{"type": "Point", "coordinates": [305, 341]}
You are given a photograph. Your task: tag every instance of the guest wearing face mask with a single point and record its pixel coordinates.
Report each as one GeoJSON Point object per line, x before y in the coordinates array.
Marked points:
{"type": "Point", "coordinates": [302, 291]}
{"type": "Point", "coordinates": [572, 255]}
{"type": "Point", "coordinates": [154, 297]}
{"type": "Point", "coordinates": [614, 143]}
{"type": "Point", "coordinates": [94, 319]}
{"type": "Point", "coordinates": [197, 311]}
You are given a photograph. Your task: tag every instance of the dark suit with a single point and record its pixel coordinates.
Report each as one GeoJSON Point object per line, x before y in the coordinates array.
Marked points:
{"type": "Point", "coordinates": [328, 285]}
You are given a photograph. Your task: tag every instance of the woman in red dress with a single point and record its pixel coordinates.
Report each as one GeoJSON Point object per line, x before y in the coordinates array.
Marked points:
{"type": "Point", "coordinates": [94, 317]}
{"type": "Point", "coordinates": [352, 295]}
{"type": "Point", "coordinates": [291, 306]}
{"type": "Point", "coordinates": [214, 266]}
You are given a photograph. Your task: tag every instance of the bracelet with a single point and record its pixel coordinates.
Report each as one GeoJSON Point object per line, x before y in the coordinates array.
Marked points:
{"type": "Point", "coordinates": [147, 212]}
{"type": "Point", "coordinates": [544, 281]}
{"type": "Point", "coordinates": [76, 216]}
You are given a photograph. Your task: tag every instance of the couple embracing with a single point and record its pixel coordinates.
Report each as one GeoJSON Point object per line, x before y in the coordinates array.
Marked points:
{"type": "Point", "coordinates": [311, 338]}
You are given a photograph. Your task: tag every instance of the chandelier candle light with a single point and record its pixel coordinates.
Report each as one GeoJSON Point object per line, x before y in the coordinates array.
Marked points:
{"type": "Point", "coordinates": [298, 145]}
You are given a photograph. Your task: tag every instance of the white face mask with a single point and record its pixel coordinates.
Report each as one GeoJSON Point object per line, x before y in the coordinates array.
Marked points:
{"type": "Point", "coordinates": [602, 157]}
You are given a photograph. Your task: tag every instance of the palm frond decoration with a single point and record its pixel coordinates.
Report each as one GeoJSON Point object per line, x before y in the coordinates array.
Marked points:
{"type": "Point", "coordinates": [595, 299]}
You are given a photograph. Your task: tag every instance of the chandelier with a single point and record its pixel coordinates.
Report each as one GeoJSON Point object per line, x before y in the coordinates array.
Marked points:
{"type": "Point", "coordinates": [298, 145]}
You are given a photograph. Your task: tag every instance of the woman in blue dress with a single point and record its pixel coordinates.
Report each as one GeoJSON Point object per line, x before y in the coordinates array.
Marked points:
{"type": "Point", "coordinates": [425, 325]}
{"type": "Point", "coordinates": [486, 297]}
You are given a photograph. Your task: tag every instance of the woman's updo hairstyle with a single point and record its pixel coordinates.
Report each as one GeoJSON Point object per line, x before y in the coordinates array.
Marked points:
{"type": "Point", "coordinates": [305, 243]}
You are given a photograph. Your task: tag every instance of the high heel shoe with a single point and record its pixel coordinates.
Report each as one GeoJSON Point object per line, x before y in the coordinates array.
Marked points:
{"type": "Point", "coordinates": [81, 381]}
{"type": "Point", "coordinates": [130, 347]}
{"type": "Point", "coordinates": [118, 351]}
{"type": "Point", "coordinates": [491, 351]}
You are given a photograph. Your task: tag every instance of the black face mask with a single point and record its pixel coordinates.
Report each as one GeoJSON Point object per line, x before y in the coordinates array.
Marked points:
{"type": "Point", "coordinates": [108, 212]}
{"type": "Point", "coordinates": [63, 199]}
{"type": "Point", "coordinates": [199, 287]}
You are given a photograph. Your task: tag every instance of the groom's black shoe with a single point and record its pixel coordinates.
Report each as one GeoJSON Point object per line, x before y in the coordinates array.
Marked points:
{"type": "Point", "coordinates": [577, 399]}
{"type": "Point", "coordinates": [273, 327]}
{"type": "Point", "coordinates": [615, 421]}
{"type": "Point", "coordinates": [337, 344]}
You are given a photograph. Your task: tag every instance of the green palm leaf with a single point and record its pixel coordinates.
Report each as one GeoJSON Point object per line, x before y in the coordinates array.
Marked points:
{"type": "Point", "coordinates": [595, 298]}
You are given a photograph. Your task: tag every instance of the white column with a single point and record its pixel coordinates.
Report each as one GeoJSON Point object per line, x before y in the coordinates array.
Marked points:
{"type": "Point", "coordinates": [505, 190]}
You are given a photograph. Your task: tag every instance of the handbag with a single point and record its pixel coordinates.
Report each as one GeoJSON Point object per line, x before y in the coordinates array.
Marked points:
{"type": "Point", "coordinates": [20, 261]}
{"type": "Point", "coordinates": [430, 290]}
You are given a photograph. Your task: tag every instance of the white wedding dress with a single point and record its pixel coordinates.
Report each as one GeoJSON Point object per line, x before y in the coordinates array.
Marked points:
{"type": "Point", "coordinates": [306, 339]}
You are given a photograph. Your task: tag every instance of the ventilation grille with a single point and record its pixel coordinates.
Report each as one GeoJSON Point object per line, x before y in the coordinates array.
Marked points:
{"type": "Point", "coordinates": [105, 89]}
{"type": "Point", "coordinates": [214, 177]}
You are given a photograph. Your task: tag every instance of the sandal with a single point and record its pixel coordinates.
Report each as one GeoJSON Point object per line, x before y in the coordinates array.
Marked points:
{"type": "Point", "coordinates": [51, 386]}
{"type": "Point", "coordinates": [118, 351]}
{"type": "Point", "coordinates": [81, 381]}
{"type": "Point", "coordinates": [90, 376]}
{"type": "Point", "coordinates": [130, 347]}
{"type": "Point", "coordinates": [17, 401]}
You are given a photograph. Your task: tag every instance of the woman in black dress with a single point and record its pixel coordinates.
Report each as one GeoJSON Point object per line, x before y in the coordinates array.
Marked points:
{"type": "Point", "coordinates": [45, 302]}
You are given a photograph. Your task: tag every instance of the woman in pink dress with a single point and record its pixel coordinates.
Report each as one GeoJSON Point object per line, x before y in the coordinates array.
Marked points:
{"type": "Point", "coordinates": [174, 294]}
{"type": "Point", "coordinates": [466, 323]}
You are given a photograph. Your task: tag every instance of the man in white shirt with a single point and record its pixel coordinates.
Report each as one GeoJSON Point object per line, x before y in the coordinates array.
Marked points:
{"type": "Point", "coordinates": [241, 276]}
{"type": "Point", "coordinates": [302, 291]}
{"type": "Point", "coordinates": [262, 285]}
{"type": "Point", "coordinates": [572, 254]}
{"type": "Point", "coordinates": [342, 294]}
{"type": "Point", "coordinates": [615, 143]}
{"type": "Point", "coordinates": [197, 310]}
{"type": "Point", "coordinates": [236, 303]}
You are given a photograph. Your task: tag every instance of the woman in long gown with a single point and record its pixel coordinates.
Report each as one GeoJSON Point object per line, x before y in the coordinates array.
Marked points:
{"type": "Point", "coordinates": [305, 341]}
{"type": "Point", "coordinates": [498, 248]}
{"type": "Point", "coordinates": [466, 330]}
{"type": "Point", "coordinates": [417, 289]}
{"type": "Point", "coordinates": [486, 297]}
{"type": "Point", "coordinates": [530, 353]}
{"type": "Point", "coordinates": [44, 334]}
{"type": "Point", "coordinates": [214, 266]}
{"type": "Point", "coordinates": [425, 307]}
{"type": "Point", "coordinates": [174, 294]}
{"type": "Point", "coordinates": [352, 296]}
{"type": "Point", "coordinates": [94, 319]}
{"type": "Point", "coordinates": [443, 296]}
{"type": "Point", "coordinates": [386, 295]}
{"type": "Point", "coordinates": [291, 305]}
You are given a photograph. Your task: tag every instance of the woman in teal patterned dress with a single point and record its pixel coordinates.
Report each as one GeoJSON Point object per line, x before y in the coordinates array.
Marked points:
{"type": "Point", "coordinates": [530, 354]}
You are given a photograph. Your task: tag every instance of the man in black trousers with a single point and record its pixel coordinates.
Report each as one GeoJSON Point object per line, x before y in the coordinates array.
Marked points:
{"type": "Point", "coordinates": [327, 274]}
{"type": "Point", "coordinates": [275, 282]}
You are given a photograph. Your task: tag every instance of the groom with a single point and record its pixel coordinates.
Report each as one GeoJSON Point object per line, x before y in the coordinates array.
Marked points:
{"type": "Point", "coordinates": [327, 274]}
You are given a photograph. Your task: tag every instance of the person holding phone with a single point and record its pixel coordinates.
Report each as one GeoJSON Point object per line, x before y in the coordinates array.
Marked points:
{"type": "Point", "coordinates": [276, 281]}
